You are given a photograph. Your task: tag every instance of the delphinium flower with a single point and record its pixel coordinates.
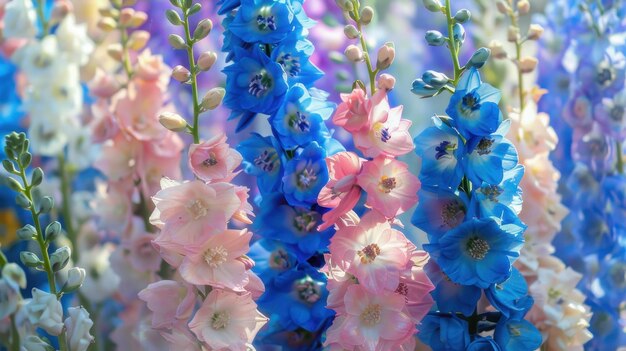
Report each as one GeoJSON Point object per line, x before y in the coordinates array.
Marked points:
{"type": "Point", "coordinates": [469, 206]}
{"type": "Point", "coordinates": [270, 80]}
{"type": "Point", "coordinates": [205, 299]}
{"type": "Point", "coordinates": [591, 240]}
{"type": "Point", "coordinates": [22, 318]}
{"type": "Point", "coordinates": [558, 312]}
{"type": "Point", "coordinates": [377, 284]}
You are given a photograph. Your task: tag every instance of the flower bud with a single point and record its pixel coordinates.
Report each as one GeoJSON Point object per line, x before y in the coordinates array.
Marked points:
{"type": "Point", "coordinates": [176, 41]}
{"type": "Point", "coordinates": [30, 259]}
{"type": "Point", "coordinates": [206, 60]}
{"type": "Point", "coordinates": [354, 53]}
{"type": "Point", "coordinates": [173, 17]}
{"type": "Point", "coordinates": [512, 34]}
{"type": "Point", "coordinates": [497, 51]}
{"type": "Point", "coordinates": [107, 24]}
{"type": "Point", "coordinates": [115, 51]}
{"type": "Point", "coordinates": [15, 273]}
{"type": "Point", "coordinates": [172, 121]}
{"type": "Point", "coordinates": [479, 58]}
{"type": "Point", "coordinates": [109, 12]}
{"type": "Point", "coordinates": [22, 201]}
{"type": "Point", "coordinates": [60, 258]}
{"type": "Point", "coordinates": [523, 6]}
{"type": "Point", "coordinates": [75, 278]}
{"type": "Point", "coordinates": [386, 55]}
{"type": "Point", "coordinates": [60, 10]}
{"type": "Point", "coordinates": [435, 38]}
{"type": "Point", "coordinates": [45, 204]}
{"type": "Point", "coordinates": [194, 9]}
{"type": "Point", "coordinates": [420, 87]}
{"type": "Point", "coordinates": [203, 29]}
{"type": "Point", "coordinates": [138, 40]}
{"type": "Point", "coordinates": [345, 5]}
{"type": "Point", "coordinates": [535, 31]}
{"type": "Point", "coordinates": [432, 5]}
{"type": "Point", "coordinates": [213, 98]}
{"type": "Point", "coordinates": [37, 177]}
{"type": "Point", "coordinates": [527, 64]}
{"type": "Point", "coordinates": [126, 15]}
{"type": "Point", "coordinates": [127, 3]}
{"type": "Point", "coordinates": [139, 18]}
{"type": "Point", "coordinates": [367, 13]}
{"type": "Point", "coordinates": [435, 79]}
{"type": "Point", "coordinates": [386, 82]}
{"type": "Point", "coordinates": [458, 32]}
{"type": "Point", "coordinates": [462, 16]}
{"type": "Point", "coordinates": [53, 230]}
{"type": "Point", "coordinates": [181, 74]}
{"type": "Point", "coordinates": [351, 32]}
{"type": "Point", "coordinates": [503, 7]}
{"type": "Point", "coordinates": [27, 232]}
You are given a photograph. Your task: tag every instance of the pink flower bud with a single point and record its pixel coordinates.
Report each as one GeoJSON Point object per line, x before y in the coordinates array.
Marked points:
{"type": "Point", "coordinates": [206, 60]}
{"type": "Point", "coordinates": [386, 81]}
{"type": "Point", "coordinates": [181, 74]}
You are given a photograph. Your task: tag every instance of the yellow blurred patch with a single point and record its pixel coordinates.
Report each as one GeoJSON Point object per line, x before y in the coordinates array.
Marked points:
{"type": "Point", "coordinates": [9, 224]}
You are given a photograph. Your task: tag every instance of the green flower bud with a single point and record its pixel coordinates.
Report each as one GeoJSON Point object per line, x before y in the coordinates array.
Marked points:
{"type": "Point", "coordinates": [435, 38]}
{"type": "Point", "coordinates": [27, 232]}
{"type": "Point", "coordinates": [30, 259]}
{"type": "Point", "coordinates": [60, 258]}
{"type": "Point", "coordinates": [13, 184]}
{"type": "Point", "coordinates": [432, 5]}
{"type": "Point", "coordinates": [53, 230]}
{"type": "Point", "coordinates": [351, 32]}
{"type": "Point", "coordinates": [367, 13]}
{"type": "Point", "coordinates": [194, 9]}
{"type": "Point", "coordinates": [22, 201]}
{"type": "Point", "coordinates": [177, 42]}
{"type": "Point", "coordinates": [462, 16]}
{"type": "Point", "coordinates": [173, 17]}
{"type": "Point", "coordinates": [203, 29]}
{"type": "Point", "coordinates": [37, 177]}
{"type": "Point", "coordinates": [25, 159]}
{"type": "Point", "coordinates": [75, 278]}
{"type": "Point", "coordinates": [15, 273]}
{"type": "Point", "coordinates": [479, 58]}
{"type": "Point", "coordinates": [46, 204]}
{"type": "Point", "coordinates": [9, 166]}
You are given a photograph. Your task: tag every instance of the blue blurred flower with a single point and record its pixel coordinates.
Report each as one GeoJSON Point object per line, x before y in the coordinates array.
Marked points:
{"type": "Point", "coordinates": [474, 106]}
{"type": "Point", "coordinates": [450, 296]}
{"type": "Point", "coordinates": [444, 332]}
{"type": "Point", "coordinates": [484, 344]}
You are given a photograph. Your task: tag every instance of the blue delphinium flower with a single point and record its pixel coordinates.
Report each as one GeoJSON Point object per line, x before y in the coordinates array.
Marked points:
{"type": "Point", "coordinates": [305, 175]}
{"type": "Point", "coordinates": [517, 335]}
{"type": "Point", "coordinates": [271, 75]}
{"type": "Point", "coordinates": [484, 344]}
{"type": "Point", "coordinates": [255, 83]}
{"type": "Point", "coordinates": [300, 119]}
{"type": "Point", "coordinates": [450, 296]}
{"type": "Point", "coordinates": [503, 200]}
{"type": "Point", "coordinates": [444, 332]}
{"type": "Point", "coordinates": [474, 106]}
{"type": "Point", "coordinates": [478, 252]}
{"type": "Point", "coordinates": [510, 297]}
{"type": "Point", "coordinates": [442, 152]}
{"type": "Point", "coordinates": [440, 210]}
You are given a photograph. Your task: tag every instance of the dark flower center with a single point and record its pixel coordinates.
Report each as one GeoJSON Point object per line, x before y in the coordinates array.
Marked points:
{"type": "Point", "coordinates": [299, 121]}
{"type": "Point", "coordinates": [484, 146]}
{"type": "Point", "coordinates": [266, 160]}
{"type": "Point", "coordinates": [265, 20]}
{"type": "Point", "coordinates": [445, 148]}
{"type": "Point", "coordinates": [305, 221]}
{"type": "Point", "coordinates": [469, 103]}
{"type": "Point", "coordinates": [279, 260]}
{"type": "Point", "coordinates": [307, 290]}
{"type": "Point", "coordinates": [387, 184]}
{"type": "Point", "coordinates": [477, 248]}
{"type": "Point", "coordinates": [617, 113]}
{"type": "Point", "coordinates": [260, 84]}
{"type": "Point", "coordinates": [491, 192]}
{"type": "Point", "coordinates": [307, 178]}
{"type": "Point", "coordinates": [452, 214]}
{"type": "Point", "coordinates": [618, 275]}
{"type": "Point", "coordinates": [605, 76]}
{"type": "Point", "coordinates": [290, 63]}
{"type": "Point", "coordinates": [385, 135]}
{"type": "Point", "coordinates": [211, 161]}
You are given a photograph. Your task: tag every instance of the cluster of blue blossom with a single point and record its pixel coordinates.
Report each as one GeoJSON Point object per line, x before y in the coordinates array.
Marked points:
{"type": "Point", "coordinates": [469, 205]}
{"type": "Point", "coordinates": [271, 75]}
{"type": "Point", "coordinates": [592, 98]}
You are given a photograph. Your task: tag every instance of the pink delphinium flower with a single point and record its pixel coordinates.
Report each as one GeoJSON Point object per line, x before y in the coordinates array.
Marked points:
{"type": "Point", "coordinates": [216, 261]}
{"type": "Point", "coordinates": [341, 193]}
{"type": "Point", "coordinates": [214, 160]}
{"type": "Point", "coordinates": [386, 133]}
{"type": "Point", "coordinates": [373, 252]}
{"type": "Point", "coordinates": [391, 188]}
{"type": "Point", "coordinates": [227, 321]}
{"type": "Point", "coordinates": [170, 302]}
{"type": "Point", "coordinates": [352, 114]}
{"type": "Point", "coordinates": [374, 318]}
{"type": "Point", "coordinates": [191, 212]}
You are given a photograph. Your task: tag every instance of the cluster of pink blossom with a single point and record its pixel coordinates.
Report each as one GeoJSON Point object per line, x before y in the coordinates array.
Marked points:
{"type": "Point", "coordinates": [559, 311]}
{"type": "Point", "coordinates": [376, 281]}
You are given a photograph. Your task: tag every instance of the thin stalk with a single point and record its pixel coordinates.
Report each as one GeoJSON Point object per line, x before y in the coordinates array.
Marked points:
{"type": "Point", "coordinates": [518, 57]}
{"type": "Point", "coordinates": [452, 44]}
{"type": "Point", "coordinates": [15, 335]}
{"type": "Point", "coordinates": [66, 190]}
{"type": "Point", "coordinates": [125, 54]}
{"type": "Point", "coordinates": [43, 246]}
{"type": "Point", "coordinates": [45, 26]}
{"type": "Point", "coordinates": [193, 79]}
{"type": "Point", "coordinates": [3, 259]}
{"type": "Point", "coordinates": [368, 62]}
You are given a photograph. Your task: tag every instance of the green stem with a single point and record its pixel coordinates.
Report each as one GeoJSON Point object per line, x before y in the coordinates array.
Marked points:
{"type": "Point", "coordinates": [125, 54]}
{"type": "Point", "coordinates": [66, 191]}
{"type": "Point", "coordinates": [43, 246]}
{"type": "Point", "coordinates": [193, 79]}
{"type": "Point", "coordinates": [518, 57]}
{"type": "Point", "coordinates": [368, 62]}
{"type": "Point", "coordinates": [143, 211]}
{"type": "Point", "coordinates": [3, 259]}
{"type": "Point", "coordinates": [15, 335]}
{"type": "Point", "coordinates": [42, 18]}
{"type": "Point", "coordinates": [620, 158]}
{"type": "Point", "coordinates": [452, 44]}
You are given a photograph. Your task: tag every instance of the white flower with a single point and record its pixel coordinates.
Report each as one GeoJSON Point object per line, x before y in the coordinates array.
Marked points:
{"type": "Point", "coordinates": [44, 140]}
{"type": "Point", "coordinates": [73, 40]}
{"type": "Point", "coordinates": [82, 152]}
{"type": "Point", "coordinates": [20, 19]}
{"type": "Point", "coordinates": [9, 297]}
{"type": "Point", "coordinates": [15, 273]}
{"type": "Point", "coordinates": [37, 58]}
{"type": "Point", "coordinates": [34, 343]}
{"type": "Point", "coordinates": [78, 325]}
{"type": "Point", "coordinates": [45, 311]}
{"type": "Point", "coordinates": [58, 98]}
{"type": "Point", "coordinates": [101, 281]}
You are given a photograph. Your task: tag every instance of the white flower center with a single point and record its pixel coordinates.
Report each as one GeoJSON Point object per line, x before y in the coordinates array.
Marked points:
{"type": "Point", "coordinates": [197, 209]}
{"type": "Point", "coordinates": [215, 256]}
{"type": "Point", "coordinates": [220, 320]}
{"type": "Point", "coordinates": [371, 315]}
